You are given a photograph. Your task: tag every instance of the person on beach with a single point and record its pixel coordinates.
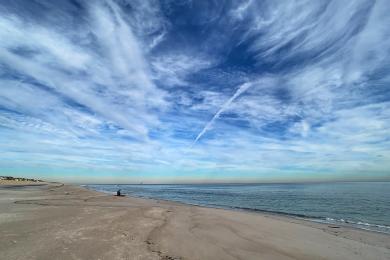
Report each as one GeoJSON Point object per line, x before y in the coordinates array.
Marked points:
{"type": "Point", "coordinates": [118, 193]}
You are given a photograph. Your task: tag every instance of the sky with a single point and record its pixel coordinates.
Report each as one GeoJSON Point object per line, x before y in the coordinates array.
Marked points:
{"type": "Point", "coordinates": [133, 91]}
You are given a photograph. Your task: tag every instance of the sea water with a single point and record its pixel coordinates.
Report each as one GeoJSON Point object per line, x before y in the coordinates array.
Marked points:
{"type": "Point", "coordinates": [363, 205]}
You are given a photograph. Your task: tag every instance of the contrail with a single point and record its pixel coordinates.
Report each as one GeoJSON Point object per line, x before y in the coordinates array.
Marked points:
{"type": "Point", "coordinates": [225, 106]}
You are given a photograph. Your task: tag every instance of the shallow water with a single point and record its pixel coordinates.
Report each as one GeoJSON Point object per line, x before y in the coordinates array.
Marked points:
{"type": "Point", "coordinates": [363, 205]}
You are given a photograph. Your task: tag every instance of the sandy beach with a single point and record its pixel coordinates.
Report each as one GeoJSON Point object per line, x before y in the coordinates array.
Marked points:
{"type": "Point", "coordinates": [56, 221]}
{"type": "Point", "coordinates": [18, 183]}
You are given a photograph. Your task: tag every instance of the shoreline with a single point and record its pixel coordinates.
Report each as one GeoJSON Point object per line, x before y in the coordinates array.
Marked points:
{"type": "Point", "coordinates": [288, 216]}
{"type": "Point", "coordinates": [55, 221]}
{"type": "Point", "coordinates": [307, 221]}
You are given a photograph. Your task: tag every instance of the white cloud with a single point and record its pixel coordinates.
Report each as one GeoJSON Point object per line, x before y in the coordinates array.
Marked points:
{"type": "Point", "coordinates": [113, 82]}
{"type": "Point", "coordinates": [92, 97]}
{"type": "Point", "coordinates": [172, 69]}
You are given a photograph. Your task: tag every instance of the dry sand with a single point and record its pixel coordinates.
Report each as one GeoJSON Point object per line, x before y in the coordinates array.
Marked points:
{"type": "Point", "coordinates": [56, 221]}
{"type": "Point", "coordinates": [15, 182]}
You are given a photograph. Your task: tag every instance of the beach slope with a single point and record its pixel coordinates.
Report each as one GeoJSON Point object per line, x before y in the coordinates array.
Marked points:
{"type": "Point", "coordinates": [55, 221]}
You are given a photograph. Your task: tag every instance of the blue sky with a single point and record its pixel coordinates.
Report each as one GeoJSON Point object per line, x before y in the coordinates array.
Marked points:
{"type": "Point", "coordinates": [195, 91]}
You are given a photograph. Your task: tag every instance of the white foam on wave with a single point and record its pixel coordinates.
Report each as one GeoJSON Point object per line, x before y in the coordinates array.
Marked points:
{"type": "Point", "coordinates": [358, 224]}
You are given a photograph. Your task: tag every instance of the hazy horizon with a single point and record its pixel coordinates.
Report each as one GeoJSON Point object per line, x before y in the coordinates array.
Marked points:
{"type": "Point", "coordinates": [195, 91]}
{"type": "Point", "coordinates": [184, 181]}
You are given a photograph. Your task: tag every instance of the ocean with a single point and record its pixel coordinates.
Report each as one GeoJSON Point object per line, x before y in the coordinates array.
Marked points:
{"type": "Point", "coordinates": [364, 205]}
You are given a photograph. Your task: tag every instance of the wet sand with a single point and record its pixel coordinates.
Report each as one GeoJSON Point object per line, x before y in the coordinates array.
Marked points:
{"type": "Point", "coordinates": [55, 221]}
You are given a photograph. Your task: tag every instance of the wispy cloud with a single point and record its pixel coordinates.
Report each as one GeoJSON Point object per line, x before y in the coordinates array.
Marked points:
{"type": "Point", "coordinates": [172, 69]}
{"type": "Point", "coordinates": [111, 82]}
{"type": "Point", "coordinates": [128, 86]}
